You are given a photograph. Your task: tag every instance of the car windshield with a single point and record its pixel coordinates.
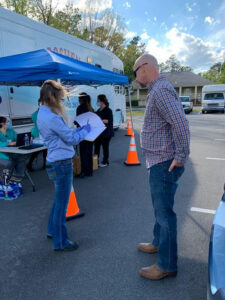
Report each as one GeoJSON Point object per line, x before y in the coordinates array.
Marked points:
{"type": "Point", "coordinates": [214, 96]}
{"type": "Point", "coordinates": [184, 99]}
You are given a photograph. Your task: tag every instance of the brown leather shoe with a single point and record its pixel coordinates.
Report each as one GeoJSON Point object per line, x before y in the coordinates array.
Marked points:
{"type": "Point", "coordinates": [155, 273]}
{"type": "Point", "coordinates": [147, 248]}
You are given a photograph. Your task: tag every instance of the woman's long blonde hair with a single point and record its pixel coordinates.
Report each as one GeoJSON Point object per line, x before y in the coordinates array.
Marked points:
{"type": "Point", "coordinates": [51, 95]}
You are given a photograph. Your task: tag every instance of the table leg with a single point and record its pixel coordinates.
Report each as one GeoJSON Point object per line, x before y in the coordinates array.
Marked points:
{"type": "Point", "coordinates": [30, 179]}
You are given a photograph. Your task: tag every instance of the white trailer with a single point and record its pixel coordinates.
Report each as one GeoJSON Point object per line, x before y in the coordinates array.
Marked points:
{"type": "Point", "coordinates": [20, 34]}
{"type": "Point", "coordinates": [213, 98]}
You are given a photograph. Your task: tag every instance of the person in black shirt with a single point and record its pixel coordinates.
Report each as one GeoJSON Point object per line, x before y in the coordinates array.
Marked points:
{"type": "Point", "coordinates": [86, 147]}
{"type": "Point", "coordinates": [105, 113]}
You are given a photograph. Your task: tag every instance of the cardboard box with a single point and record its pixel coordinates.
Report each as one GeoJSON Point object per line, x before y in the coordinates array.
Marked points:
{"type": "Point", "coordinates": [77, 165]}
{"type": "Point", "coordinates": [95, 162]}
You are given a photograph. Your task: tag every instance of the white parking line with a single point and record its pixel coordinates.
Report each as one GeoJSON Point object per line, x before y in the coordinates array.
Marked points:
{"type": "Point", "coordinates": [203, 210]}
{"type": "Point", "coordinates": [215, 158]}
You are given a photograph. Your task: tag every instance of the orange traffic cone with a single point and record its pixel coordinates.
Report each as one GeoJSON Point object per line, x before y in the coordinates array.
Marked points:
{"type": "Point", "coordinates": [128, 121]}
{"type": "Point", "coordinates": [73, 210]}
{"type": "Point", "coordinates": [132, 157]}
{"type": "Point", "coordinates": [129, 128]}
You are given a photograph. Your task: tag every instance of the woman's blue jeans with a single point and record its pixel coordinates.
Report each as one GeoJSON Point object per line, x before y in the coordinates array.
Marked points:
{"type": "Point", "coordinates": [61, 173]}
{"type": "Point", "coordinates": [163, 185]}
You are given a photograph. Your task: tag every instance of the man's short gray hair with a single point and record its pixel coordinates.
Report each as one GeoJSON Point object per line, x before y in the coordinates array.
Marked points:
{"type": "Point", "coordinates": [146, 59]}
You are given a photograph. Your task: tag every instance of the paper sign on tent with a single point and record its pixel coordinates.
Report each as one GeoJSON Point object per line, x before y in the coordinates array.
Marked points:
{"type": "Point", "coordinates": [97, 126]}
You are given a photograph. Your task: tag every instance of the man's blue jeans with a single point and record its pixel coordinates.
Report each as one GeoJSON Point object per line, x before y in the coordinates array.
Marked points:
{"type": "Point", "coordinates": [163, 185]}
{"type": "Point", "coordinates": [61, 173]}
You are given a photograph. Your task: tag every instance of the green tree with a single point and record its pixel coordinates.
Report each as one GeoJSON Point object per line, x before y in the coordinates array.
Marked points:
{"type": "Point", "coordinates": [215, 73]}
{"type": "Point", "coordinates": [222, 74]}
{"type": "Point", "coordinates": [129, 55]}
{"type": "Point", "coordinates": [103, 28]}
{"type": "Point", "coordinates": [67, 19]}
{"type": "Point", "coordinates": [18, 6]}
{"type": "Point", "coordinates": [173, 65]}
{"type": "Point", "coordinates": [44, 11]}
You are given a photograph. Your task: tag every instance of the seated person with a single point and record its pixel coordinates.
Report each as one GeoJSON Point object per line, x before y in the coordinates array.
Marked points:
{"type": "Point", "coordinates": [35, 134]}
{"type": "Point", "coordinates": [15, 163]}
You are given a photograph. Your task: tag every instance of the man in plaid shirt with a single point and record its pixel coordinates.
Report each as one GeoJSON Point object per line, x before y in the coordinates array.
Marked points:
{"type": "Point", "coordinates": [165, 140]}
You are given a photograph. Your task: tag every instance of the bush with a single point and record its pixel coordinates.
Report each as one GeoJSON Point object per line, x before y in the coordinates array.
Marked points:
{"type": "Point", "coordinates": [134, 102]}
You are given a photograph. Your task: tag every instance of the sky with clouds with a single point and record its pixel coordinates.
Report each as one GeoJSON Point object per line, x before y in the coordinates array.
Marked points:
{"type": "Point", "coordinates": [192, 30]}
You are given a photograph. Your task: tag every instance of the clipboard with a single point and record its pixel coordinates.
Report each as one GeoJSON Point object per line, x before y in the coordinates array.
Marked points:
{"type": "Point", "coordinates": [97, 126]}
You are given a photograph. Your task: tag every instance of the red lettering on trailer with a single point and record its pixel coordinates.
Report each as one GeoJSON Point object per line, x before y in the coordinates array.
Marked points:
{"type": "Point", "coordinates": [65, 52]}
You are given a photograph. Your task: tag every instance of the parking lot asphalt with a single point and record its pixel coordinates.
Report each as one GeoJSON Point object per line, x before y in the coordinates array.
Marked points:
{"type": "Point", "coordinates": [118, 216]}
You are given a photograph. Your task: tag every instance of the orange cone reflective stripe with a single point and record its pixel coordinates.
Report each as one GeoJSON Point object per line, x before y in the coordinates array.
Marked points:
{"type": "Point", "coordinates": [129, 128]}
{"type": "Point", "coordinates": [128, 120]}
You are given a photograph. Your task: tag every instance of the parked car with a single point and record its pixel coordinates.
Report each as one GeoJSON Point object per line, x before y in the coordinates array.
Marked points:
{"type": "Point", "coordinates": [216, 260]}
{"type": "Point", "coordinates": [187, 104]}
{"type": "Point", "coordinates": [213, 98]}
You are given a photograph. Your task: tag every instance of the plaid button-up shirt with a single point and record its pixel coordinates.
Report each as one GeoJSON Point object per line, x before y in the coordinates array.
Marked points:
{"type": "Point", "coordinates": [165, 133]}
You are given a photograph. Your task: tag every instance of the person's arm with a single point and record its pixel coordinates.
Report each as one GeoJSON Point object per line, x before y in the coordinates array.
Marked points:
{"type": "Point", "coordinates": [34, 116]}
{"type": "Point", "coordinates": [171, 110]}
{"type": "Point", "coordinates": [108, 118]}
{"type": "Point", "coordinates": [14, 135]}
{"type": "Point", "coordinates": [3, 144]}
{"type": "Point", "coordinates": [3, 141]}
{"type": "Point", "coordinates": [69, 136]}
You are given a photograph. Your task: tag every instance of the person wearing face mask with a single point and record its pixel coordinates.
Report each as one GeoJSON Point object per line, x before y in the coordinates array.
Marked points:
{"type": "Point", "coordinates": [86, 147]}
{"type": "Point", "coordinates": [35, 134]}
{"type": "Point", "coordinates": [15, 163]}
{"type": "Point", "coordinates": [105, 113]}
{"type": "Point", "coordinates": [59, 140]}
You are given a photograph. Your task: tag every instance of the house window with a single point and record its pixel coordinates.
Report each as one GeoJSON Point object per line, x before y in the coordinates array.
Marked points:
{"type": "Point", "coordinates": [187, 92]}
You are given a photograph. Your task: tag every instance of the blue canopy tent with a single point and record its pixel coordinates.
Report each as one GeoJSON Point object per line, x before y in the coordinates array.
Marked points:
{"type": "Point", "coordinates": [33, 68]}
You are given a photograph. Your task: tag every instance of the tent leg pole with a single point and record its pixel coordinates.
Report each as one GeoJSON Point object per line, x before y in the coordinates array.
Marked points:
{"type": "Point", "coordinates": [130, 106]}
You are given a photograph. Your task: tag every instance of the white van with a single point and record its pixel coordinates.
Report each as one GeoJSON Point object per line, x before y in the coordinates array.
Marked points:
{"type": "Point", "coordinates": [186, 103]}
{"type": "Point", "coordinates": [20, 34]}
{"type": "Point", "coordinates": [213, 98]}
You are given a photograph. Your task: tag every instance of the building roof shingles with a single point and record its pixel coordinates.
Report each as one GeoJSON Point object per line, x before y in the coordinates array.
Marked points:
{"type": "Point", "coordinates": [183, 79]}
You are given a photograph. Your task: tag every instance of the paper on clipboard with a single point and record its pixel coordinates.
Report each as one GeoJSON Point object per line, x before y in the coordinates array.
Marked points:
{"type": "Point", "coordinates": [97, 126]}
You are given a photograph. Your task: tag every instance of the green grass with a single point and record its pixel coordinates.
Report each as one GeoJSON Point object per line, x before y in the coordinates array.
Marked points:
{"type": "Point", "coordinates": [197, 109]}
{"type": "Point", "coordinates": [137, 113]}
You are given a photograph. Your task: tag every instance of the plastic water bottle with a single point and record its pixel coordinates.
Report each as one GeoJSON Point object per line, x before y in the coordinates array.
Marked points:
{"type": "Point", "coordinates": [5, 176]}
{"type": "Point", "coordinates": [26, 140]}
{"type": "Point", "coordinates": [6, 192]}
